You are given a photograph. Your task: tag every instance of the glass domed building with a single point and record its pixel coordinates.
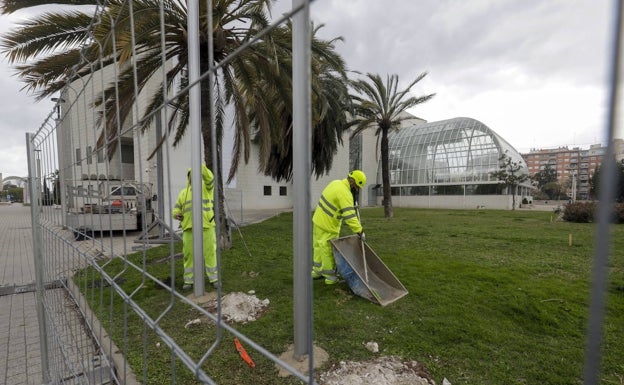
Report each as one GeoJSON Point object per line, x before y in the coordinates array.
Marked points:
{"type": "Point", "coordinates": [449, 164]}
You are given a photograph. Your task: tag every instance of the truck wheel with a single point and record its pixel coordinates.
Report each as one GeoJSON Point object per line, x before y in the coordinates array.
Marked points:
{"type": "Point", "coordinates": [80, 235]}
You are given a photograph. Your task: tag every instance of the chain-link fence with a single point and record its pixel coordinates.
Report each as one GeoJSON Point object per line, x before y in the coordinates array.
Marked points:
{"type": "Point", "coordinates": [142, 102]}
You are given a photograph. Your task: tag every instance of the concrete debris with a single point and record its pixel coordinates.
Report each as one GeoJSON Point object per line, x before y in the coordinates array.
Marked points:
{"type": "Point", "coordinates": [389, 370]}
{"type": "Point", "coordinates": [196, 321]}
{"type": "Point", "coordinates": [240, 307]}
{"type": "Point", "coordinates": [372, 346]}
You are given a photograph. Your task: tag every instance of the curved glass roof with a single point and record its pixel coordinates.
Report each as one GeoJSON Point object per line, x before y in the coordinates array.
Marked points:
{"type": "Point", "coordinates": [453, 151]}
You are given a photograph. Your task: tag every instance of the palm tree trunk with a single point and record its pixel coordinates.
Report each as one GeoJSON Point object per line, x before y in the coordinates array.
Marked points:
{"type": "Point", "coordinates": [385, 174]}
{"type": "Point", "coordinates": [225, 239]}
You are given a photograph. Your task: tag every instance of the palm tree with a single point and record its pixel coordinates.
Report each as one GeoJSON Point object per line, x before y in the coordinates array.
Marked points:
{"type": "Point", "coordinates": [380, 106]}
{"type": "Point", "coordinates": [256, 82]}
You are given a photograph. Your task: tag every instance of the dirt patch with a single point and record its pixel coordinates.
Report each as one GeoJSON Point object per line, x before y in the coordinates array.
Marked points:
{"type": "Point", "coordinates": [391, 370]}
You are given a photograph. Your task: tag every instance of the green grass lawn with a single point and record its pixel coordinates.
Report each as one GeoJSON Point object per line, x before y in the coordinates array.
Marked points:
{"type": "Point", "coordinates": [495, 297]}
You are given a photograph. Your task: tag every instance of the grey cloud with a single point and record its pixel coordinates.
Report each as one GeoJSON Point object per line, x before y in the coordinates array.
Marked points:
{"type": "Point", "coordinates": [546, 38]}
{"type": "Point", "coordinates": [469, 47]}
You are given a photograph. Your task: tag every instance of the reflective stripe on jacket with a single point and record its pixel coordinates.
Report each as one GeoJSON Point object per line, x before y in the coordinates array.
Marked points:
{"type": "Point", "coordinates": [184, 204]}
{"type": "Point", "coordinates": [336, 205]}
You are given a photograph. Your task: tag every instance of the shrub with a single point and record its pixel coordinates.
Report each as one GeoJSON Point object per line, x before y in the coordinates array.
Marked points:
{"type": "Point", "coordinates": [618, 214]}
{"type": "Point", "coordinates": [579, 212]}
{"type": "Point", "coordinates": [584, 212]}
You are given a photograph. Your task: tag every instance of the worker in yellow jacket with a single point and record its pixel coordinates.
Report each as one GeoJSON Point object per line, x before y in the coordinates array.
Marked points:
{"type": "Point", "coordinates": [182, 211]}
{"type": "Point", "coordinates": [335, 206]}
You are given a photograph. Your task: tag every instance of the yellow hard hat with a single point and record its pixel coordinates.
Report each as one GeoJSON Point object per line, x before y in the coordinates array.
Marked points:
{"type": "Point", "coordinates": [358, 177]}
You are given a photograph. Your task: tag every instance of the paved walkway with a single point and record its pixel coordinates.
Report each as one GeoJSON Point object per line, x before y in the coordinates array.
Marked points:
{"type": "Point", "coordinates": [20, 355]}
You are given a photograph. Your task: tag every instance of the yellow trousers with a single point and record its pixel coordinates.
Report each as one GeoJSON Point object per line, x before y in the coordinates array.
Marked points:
{"type": "Point", "coordinates": [210, 254]}
{"type": "Point", "coordinates": [324, 263]}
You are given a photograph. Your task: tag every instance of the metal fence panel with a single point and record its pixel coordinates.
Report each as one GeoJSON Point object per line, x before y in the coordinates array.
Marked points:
{"type": "Point", "coordinates": [89, 210]}
{"type": "Point", "coordinates": [96, 212]}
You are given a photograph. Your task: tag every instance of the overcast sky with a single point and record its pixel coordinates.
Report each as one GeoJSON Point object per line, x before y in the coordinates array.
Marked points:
{"type": "Point", "coordinates": [534, 71]}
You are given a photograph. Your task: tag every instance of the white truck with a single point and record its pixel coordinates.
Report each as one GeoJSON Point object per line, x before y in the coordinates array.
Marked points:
{"type": "Point", "coordinates": [115, 206]}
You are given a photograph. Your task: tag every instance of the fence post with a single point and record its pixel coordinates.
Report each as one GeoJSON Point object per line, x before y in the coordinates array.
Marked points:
{"type": "Point", "coordinates": [196, 135]}
{"type": "Point", "coordinates": [600, 272]}
{"type": "Point", "coordinates": [33, 182]}
{"type": "Point", "coordinates": [302, 137]}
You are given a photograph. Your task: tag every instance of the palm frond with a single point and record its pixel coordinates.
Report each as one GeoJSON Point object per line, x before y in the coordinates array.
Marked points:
{"type": "Point", "coordinates": [10, 6]}
{"type": "Point", "coordinates": [256, 83]}
{"type": "Point", "coordinates": [47, 34]}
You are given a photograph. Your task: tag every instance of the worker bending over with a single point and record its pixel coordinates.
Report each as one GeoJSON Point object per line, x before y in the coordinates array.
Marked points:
{"type": "Point", "coordinates": [336, 205]}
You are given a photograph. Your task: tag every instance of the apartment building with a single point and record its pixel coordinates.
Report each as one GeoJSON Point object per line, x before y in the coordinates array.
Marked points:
{"type": "Point", "coordinates": [574, 166]}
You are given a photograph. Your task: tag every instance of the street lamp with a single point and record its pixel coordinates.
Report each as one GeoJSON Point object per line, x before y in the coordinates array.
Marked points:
{"type": "Point", "coordinates": [37, 178]}
{"type": "Point", "coordinates": [573, 186]}
{"type": "Point", "coordinates": [63, 137]}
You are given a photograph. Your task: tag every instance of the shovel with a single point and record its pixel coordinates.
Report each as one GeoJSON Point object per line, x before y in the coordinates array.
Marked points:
{"type": "Point", "coordinates": [357, 211]}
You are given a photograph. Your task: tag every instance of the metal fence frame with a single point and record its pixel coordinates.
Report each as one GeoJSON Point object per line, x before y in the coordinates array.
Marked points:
{"type": "Point", "coordinates": [75, 347]}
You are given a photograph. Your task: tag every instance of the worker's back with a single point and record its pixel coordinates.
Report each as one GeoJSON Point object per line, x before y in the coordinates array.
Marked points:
{"type": "Point", "coordinates": [336, 205]}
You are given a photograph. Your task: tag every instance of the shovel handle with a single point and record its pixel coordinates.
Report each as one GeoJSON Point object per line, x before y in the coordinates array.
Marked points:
{"type": "Point", "coordinates": [364, 261]}
{"type": "Point", "coordinates": [357, 212]}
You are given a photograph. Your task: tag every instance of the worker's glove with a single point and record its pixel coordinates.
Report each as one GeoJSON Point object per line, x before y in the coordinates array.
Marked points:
{"type": "Point", "coordinates": [362, 236]}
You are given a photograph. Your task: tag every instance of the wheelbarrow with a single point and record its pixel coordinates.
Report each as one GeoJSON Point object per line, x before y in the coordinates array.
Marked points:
{"type": "Point", "coordinates": [364, 272]}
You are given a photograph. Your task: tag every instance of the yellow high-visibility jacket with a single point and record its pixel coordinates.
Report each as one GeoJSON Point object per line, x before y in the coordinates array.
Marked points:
{"type": "Point", "coordinates": [184, 203]}
{"type": "Point", "coordinates": [336, 205]}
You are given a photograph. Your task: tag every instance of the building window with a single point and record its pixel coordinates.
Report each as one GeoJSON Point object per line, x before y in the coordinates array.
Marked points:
{"type": "Point", "coordinates": [283, 191]}
{"type": "Point", "coordinates": [78, 157]}
{"type": "Point", "coordinates": [89, 155]}
{"type": "Point", "coordinates": [100, 155]}
{"type": "Point", "coordinates": [355, 152]}
{"type": "Point", "coordinates": [267, 190]}
{"type": "Point", "coordinates": [127, 153]}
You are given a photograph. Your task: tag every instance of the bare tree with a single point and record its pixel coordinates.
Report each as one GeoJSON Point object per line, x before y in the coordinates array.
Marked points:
{"type": "Point", "coordinates": [509, 174]}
